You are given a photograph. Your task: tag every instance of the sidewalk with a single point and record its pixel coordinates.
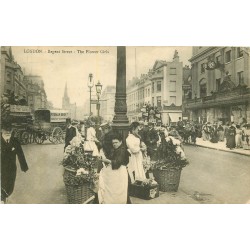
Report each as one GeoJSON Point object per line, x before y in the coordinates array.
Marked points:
{"type": "Point", "coordinates": [220, 146]}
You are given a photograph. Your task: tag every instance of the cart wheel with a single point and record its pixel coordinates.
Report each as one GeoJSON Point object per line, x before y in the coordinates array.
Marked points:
{"type": "Point", "coordinates": [57, 135]}
{"type": "Point", "coordinates": [25, 138]}
{"type": "Point", "coordinates": [39, 138]}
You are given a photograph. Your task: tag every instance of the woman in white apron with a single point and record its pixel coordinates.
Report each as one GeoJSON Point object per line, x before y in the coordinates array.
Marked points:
{"type": "Point", "coordinates": [89, 144]}
{"type": "Point", "coordinates": [113, 179]}
{"type": "Point", "coordinates": [135, 166]}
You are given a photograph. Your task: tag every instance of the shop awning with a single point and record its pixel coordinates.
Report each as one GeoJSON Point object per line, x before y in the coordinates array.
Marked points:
{"type": "Point", "coordinates": [174, 117]}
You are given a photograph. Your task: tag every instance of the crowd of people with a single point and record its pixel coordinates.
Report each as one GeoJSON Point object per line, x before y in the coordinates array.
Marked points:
{"type": "Point", "coordinates": [120, 162]}
{"type": "Point", "coordinates": [234, 135]}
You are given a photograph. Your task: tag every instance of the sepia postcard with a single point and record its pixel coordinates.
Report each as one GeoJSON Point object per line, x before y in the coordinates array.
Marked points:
{"type": "Point", "coordinates": [125, 125]}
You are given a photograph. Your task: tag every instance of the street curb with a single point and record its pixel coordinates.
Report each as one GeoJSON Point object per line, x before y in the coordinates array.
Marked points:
{"type": "Point", "coordinates": [220, 149]}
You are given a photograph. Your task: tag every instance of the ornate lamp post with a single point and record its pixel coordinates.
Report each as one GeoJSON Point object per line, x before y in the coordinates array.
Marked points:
{"type": "Point", "coordinates": [98, 94]}
{"type": "Point", "coordinates": [90, 85]}
{"type": "Point", "coordinates": [120, 120]}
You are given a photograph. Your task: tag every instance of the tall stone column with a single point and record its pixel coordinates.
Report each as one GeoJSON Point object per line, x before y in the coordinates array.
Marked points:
{"type": "Point", "coordinates": [120, 120]}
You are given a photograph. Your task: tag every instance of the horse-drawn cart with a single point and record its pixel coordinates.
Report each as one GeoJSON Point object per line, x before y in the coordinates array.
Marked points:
{"type": "Point", "coordinates": [21, 121]}
{"type": "Point", "coordinates": [49, 125]}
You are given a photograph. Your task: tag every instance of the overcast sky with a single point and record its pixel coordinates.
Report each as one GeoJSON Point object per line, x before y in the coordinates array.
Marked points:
{"type": "Point", "coordinates": [58, 68]}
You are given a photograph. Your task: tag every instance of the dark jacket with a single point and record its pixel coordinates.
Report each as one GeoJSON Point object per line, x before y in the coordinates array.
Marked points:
{"type": "Point", "coordinates": [106, 143]}
{"type": "Point", "coordinates": [9, 151]}
{"type": "Point", "coordinates": [143, 134]}
{"type": "Point", "coordinates": [70, 134]}
{"type": "Point", "coordinates": [119, 157]}
{"type": "Point", "coordinates": [151, 138]}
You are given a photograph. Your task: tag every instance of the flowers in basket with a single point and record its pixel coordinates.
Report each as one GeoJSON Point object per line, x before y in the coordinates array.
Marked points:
{"type": "Point", "coordinates": [149, 182]}
{"type": "Point", "coordinates": [80, 163]}
{"type": "Point", "coordinates": [170, 154]}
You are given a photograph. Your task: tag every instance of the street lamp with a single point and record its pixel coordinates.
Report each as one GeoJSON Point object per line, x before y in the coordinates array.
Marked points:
{"type": "Point", "coordinates": [98, 94]}
{"type": "Point", "coordinates": [90, 85]}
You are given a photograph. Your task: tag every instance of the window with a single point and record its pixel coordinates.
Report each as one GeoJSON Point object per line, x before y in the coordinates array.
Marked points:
{"type": "Point", "coordinates": [148, 92]}
{"type": "Point", "coordinates": [172, 71]}
{"type": "Point", "coordinates": [203, 68]}
{"type": "Point", "coordinates": [153, 101]}
{"type": "Point", "coordinates": [239, 52]}
{"type": "Point", "coordinates": [173, 100]}
{"type": "Point", "coordinates": [159, 86]}
{"type": "Point", "coordinates": [218, 84]}
{"type": "Point", "coordinates": [218, 59]}
{"type": "Point", "coordinates": [240, 77]}
{"type": "Point", "coordinates": [228, 56]}
{"type": "Point", "coordinates": [172, 86]}
{"type": "Point", "coordinates": [203, 90]}
{"type": "Point", "coordinates": [153, 87]}
{"type": "Point", "coordinates": [159, 101]}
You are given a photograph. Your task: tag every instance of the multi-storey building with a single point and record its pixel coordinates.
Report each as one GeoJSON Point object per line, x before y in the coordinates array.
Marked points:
{"type": "Point", "coordinates": [36, 95]}
{"type": "Point", "coordinates": [160, 87]}
{"type": "Point", "coordinates": [11, 74]}
{"type": "Point", "coordinates": [107, 103]}
{"type": "Point", "coordinates": [220, 84]}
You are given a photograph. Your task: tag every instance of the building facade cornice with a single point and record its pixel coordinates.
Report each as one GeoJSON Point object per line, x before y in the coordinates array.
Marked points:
{"type": "Point", "coordinates": [203, 54]}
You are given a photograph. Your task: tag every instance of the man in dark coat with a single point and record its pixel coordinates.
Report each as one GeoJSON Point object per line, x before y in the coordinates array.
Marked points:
{"type": "Point", "coordinates": [231, 137]}
{"type": "Point", "coordinates": [70, 133]}
{"type": "Point", "coordinates": [142, 131]}
{"type": "Point", "coordinates": [151, 140]}
{"type": "Point", "coordinates": [10, 148]}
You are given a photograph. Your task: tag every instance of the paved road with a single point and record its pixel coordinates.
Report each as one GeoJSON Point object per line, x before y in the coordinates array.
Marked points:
{"type": "Point", "coordinates": [219, 177]}
{"type": "Point", "coordinates": [43, 182]}
{"type": "Point", "coordinates": [213, 177]}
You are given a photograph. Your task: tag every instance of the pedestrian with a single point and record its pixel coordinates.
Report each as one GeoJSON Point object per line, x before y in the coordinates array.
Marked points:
{"type": "Point", "coordinates": [151, 140]}
{"type": "Point", "coordinates": [193, 134]}
{"type": "Point", "coordinates": [220, 132]}
{"type": "Point", "coordinates": [10, 148]}
{"type": "Point", "coordinates": [214, 134]}
{"type": "Point", "coordinates": [238, 136]}
{"type": "Point", "coordinates": [226, 127]}
{"type": "Point", "coordinates": [231, 137]}
{"type": "Point", "coordinates": [142, 131]}
{"type": "Point", "coordinates": [113, 179]}
{"type": "Point", "coordinates": [70, 132]}
{"type": "Point", "coordinates": [180, 127]}
{"type": "Point", "coordinates": [106, 139]}
{"type": "Point", "coordinates": [82, 129]}
{"type": "Point", "coordinates": [135, 165]}
{"type": "Point", "coordinates": [91, 140]}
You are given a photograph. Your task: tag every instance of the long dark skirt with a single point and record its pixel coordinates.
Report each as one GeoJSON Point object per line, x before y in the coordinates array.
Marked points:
{"type": "Point", "coordinates": [231, 141]}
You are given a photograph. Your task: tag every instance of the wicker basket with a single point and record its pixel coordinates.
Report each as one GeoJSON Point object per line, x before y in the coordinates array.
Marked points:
{"type": "Point", "coordinates": [168, 179]}
{"type": "Point", "coordinates": [76, 194]}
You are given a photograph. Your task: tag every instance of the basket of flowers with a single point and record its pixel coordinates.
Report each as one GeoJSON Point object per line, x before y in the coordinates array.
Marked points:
{"type": "Point", "coordinates": [79, 173]}
{"type": "Point", "coordinates": [171, 160]}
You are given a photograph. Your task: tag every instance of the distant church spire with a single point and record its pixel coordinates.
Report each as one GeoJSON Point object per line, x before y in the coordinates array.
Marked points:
{"type": "Point", "coordinates": [65, 91]}
{"type": "Point", "coordinates": [65, 99]}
